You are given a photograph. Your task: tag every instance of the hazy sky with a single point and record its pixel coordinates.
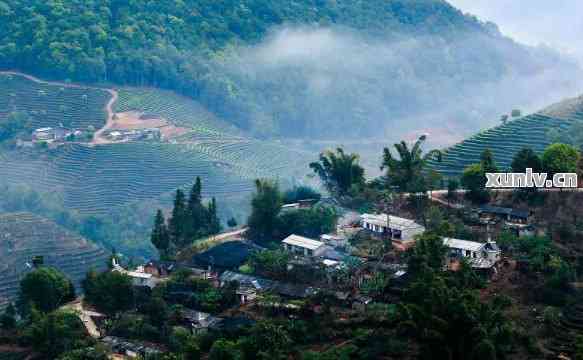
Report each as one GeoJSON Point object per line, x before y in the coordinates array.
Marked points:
{"type": "Point", "coordinates": [558, 23]}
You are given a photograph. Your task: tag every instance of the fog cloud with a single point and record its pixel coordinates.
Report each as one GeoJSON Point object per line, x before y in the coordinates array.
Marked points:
{"type": "Point", "coordinates": [334, 82]}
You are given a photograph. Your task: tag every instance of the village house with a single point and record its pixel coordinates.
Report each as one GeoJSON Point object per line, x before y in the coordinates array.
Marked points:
{"type": "Point", "coordinates": [130, 348]}
{"type": "Point", "coordinates": [250, 286]}
{"type": "Point", "coordinates": [401, 231]}
{"type": "Point", "coordinates": [510, 215]}
{"type": "Point", "coordinates": [159, 268]}
{"type": "Point", "coordinates": [139, 277]}
{"type": "Point", "coordinates": [199, 322]}
{"type": "Point", "coordinates": [49, 134]}
{"type": "Point", "coordinates": [479, 255]}
{"type": "Point", "coordinates": [303, 246]}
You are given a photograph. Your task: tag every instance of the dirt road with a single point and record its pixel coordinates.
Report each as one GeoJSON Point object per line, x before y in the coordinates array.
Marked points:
{"type": "Point", "coordinates": [97, 137]}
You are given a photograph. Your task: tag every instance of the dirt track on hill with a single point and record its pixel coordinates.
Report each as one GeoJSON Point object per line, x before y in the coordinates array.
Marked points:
{"type": "Point", "coordinates": [97, 138]}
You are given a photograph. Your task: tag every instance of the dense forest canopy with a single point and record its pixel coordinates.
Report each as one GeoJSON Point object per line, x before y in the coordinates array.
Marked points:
{"type": "Point", "coordinates": [379, 61]}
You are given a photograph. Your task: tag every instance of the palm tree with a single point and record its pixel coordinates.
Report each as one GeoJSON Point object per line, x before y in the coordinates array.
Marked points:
{"type": "Point", "coordinates": [407, 172]}
{"type": "Point", "coordinates": [338, 171]}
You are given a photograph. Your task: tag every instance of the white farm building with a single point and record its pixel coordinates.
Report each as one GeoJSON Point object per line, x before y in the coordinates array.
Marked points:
{"type": "Point", "coordinates": [301, 245]}
{"type": "Point", "coordinates": [393, 227]}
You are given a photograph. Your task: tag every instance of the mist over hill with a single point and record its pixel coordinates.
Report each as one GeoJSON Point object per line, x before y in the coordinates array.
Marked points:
{"type": "Point", "coordinates": [306, 69]}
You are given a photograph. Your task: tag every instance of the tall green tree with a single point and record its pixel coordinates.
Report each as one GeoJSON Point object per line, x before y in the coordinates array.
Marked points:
{"type": "Point", "coordinates": [452, 323]}
{"type": "Point", "coordinates": [46, 288]}
{"type": "Point", "coordinates": [560, 158]}
{"type": "Point", "coordinates": [524, 159]}
{"type": "Point", "coordinates": [160, 237]}
{"type": "Point", "coordinates": [214, 224]}
{"type": "Point", "coordinates": [178, 221]}
{"type": "Point", "coordinates": [196, 217]}
{"type": "Point", "coordinates": [405, 172]}
{"type": "Point", "coordinates": [110, 291]}
{"type": "Point", "coordinates": [487, 162]}
{"type": "Point", "coordinates": [265, 208]}
{"type": "Point", "coordinates": [56, 333]}
{"type": "Point", "coordinates": [339, 171]}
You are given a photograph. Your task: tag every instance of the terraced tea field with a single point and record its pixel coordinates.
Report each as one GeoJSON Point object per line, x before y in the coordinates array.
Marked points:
{"type": "Point", "coordinates": [50, 105]}
{"type": "Point", "coordinates": [177, 109]}
{"type": "Point", "coordinates": [24, 235]}
{"type": "Point", "coordinates": [504, 141]}
{"type": "Point", "coordinates": [97, 178]}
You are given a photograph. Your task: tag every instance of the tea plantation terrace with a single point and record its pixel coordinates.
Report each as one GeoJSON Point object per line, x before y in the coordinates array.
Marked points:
{"type": "Point", "coordinates": [504, 141]}
{"type": "Point", "coordinates": [50, 105]}
{"type": "Point", "coordinates": [97, 179]}
{"type": "Point", "coordinates": [24, 236]}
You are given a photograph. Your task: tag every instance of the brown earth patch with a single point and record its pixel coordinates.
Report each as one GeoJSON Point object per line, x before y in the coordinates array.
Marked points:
{"type": "Point", "coordinates": [132, 120]}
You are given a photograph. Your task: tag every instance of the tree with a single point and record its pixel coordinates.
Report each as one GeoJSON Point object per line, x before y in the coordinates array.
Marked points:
{"type": "Point", "coordinates": [196, 216]}
{"type": "Point", "coordinates": [452, 323]}
{"type": "Point", "coordinates": [46, 288]}
{"type": "Point", "coordinates": [232, 222]}
{"type": "Point", "coordinates": [178, 220]}
{"type": "Point", "coordinates": [55, 333]}
{"type": "Point", "coordinates": [487, 162]}
{"type": "Point", "coordinates": [474, 180]}
{"type": "Point", "coordinates": [504, 119]}
{"type": "Point", "coordinates": [452, 188]}
{"type": "Point", "coordinates": [524, 159]}
{"type": "Point", "coordinates": [405, 172]}
{"type": "Point", "coordinates": [224, 350]}
{"type": "Point", "coordinates": [109, 291]}
{"type": "Point", "coordinates": [560, 158]}
{"type": "Point", "coordinates": [213, 222]}
{"type": "Point", "coordinates": [265, 208]}
{"type": "Point", "coordinates": [301, 193]}
{"type": "Point", "coordinates": [88, 353]}
{"type": "Point", "coordinates": [339, 171]}
{"type": "Point", "coordinates": [8, 318]}
{"type": "Point", "coordinates": [428, 254]}
{"type": "Point", "coordinates": [160, 237]}
{"type": "Point", "coordinates": [307, 222]}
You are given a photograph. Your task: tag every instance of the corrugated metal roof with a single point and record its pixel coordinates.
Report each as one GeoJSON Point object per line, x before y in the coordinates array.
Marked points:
{"type": "Point", "coordinates": [395, 222]}
{"type": "Point", "coordinates": [463, 244]}
{"type": "Point", "coordinates": [300, 241]}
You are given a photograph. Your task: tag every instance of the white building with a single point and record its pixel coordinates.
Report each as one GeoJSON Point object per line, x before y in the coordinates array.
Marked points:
{"type": "Point", "coordinates": [300, 245]}
{"type": "Point", "coordinates": [480, 255]}
{"type": "Point", "coordinates": [391, 226]}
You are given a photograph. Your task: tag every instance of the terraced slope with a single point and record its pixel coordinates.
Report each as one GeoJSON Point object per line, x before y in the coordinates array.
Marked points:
{"type": "Point", "coordinates": [178, 110]}
{"type": "Point", "coordinates": [53, 104]}
{"type": "Point", "coordinates": [569, 328]}
{"type": "Point", "coordinates": [23, 235]}
{"type": "Point", "coordinates": [504, 141]}
{"type": "Point", "coordinates": [97, 179]}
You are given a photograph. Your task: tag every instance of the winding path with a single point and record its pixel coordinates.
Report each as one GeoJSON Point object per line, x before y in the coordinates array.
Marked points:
{"type": "Point", "coordinates": [97, 138]}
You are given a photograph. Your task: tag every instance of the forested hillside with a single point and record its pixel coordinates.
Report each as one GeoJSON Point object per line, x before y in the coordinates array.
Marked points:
{"type": "Point", "coordinates": [302, 68]}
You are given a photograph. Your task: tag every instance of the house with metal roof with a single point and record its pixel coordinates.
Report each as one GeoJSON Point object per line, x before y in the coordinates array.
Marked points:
{"type": "Point", "coordinates": [304, 246]}
{"type": "Point", "coordinates": [508, 214]}
{"type": "Point", "coordinates": [480, 255]}
{"type": "Point", "coordinates": [393, 227]}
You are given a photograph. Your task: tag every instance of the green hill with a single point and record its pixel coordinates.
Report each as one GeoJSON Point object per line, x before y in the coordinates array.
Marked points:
{"type": "Point", "coordinates": [307, 68]}
{"type": "Point", "coordinates": [535, 131]}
